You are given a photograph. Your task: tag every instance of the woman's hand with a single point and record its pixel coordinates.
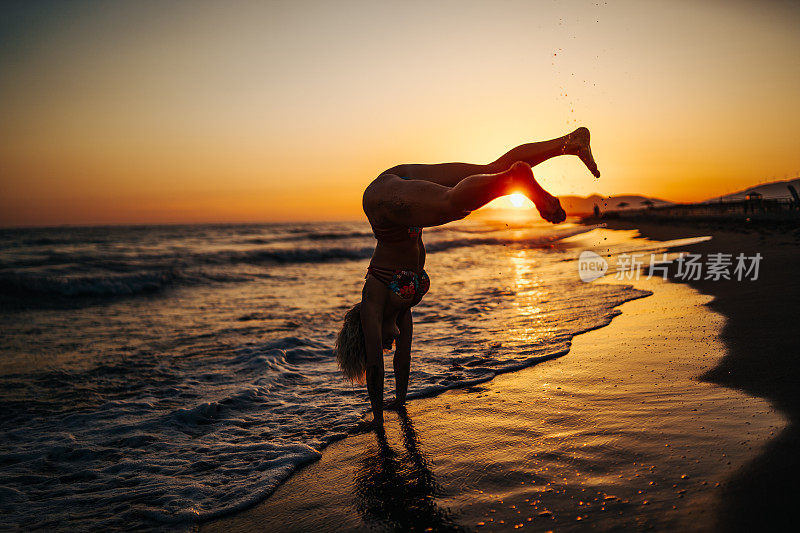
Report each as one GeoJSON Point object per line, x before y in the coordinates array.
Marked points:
{"type": "Point", "coordinates": [394, 405]}
{"type": "Point", "coordinates": [365, 426]}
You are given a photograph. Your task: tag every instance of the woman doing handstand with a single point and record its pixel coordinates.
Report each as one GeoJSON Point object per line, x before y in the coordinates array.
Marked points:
{"type": "Point", "coordinates": [399, 203]}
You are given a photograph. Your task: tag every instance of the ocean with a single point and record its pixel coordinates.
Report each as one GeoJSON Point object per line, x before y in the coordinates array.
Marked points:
{"type": "Point", "coordinates": [156, 376]}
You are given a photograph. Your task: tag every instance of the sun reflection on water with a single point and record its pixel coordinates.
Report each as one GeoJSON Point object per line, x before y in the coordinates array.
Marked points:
{"type": "Point", "coordinates": [529, 325]}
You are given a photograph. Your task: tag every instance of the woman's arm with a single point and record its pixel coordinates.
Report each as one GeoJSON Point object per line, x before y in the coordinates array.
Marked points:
{"type": "Point", "coordinates": [373, 299]}
{"type": "Point", "coordinates": [402, 356]}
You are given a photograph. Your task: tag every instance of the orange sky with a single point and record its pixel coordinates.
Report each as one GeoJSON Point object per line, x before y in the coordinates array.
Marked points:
{"type": "Point", "coordinates": [144, 112]}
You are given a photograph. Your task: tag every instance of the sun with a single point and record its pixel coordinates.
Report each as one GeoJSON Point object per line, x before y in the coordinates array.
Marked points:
{"type": "Point", "coordinates": [517, 199]}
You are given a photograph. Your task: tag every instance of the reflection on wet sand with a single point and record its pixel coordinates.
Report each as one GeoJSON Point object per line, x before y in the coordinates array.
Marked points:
{"type": "Point", "coordinates": [398, 488]}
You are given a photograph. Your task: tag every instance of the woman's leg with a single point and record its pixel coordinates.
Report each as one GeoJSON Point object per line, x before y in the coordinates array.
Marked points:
{"type": "Point", "coordinates": [575, 143]}
{"type": "Point", "coordinates": [425, 203]}
{"type": "Point", "coordinates": [450, 174]}
{"type": "Point", "coordinates": [476, 191]}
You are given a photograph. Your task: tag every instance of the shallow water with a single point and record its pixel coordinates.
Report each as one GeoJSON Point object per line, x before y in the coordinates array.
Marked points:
{"type": "Point", "coordinates": [619, 435]}
{"type": "Point", "coordinates": [160, 375]}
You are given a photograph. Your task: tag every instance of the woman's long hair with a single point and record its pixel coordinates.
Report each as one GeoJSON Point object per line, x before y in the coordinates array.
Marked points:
{"type": "Point", "coordinates": [351, 349]}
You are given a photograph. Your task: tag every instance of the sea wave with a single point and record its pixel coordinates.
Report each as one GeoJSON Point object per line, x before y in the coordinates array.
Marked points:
{"type": "Point", "coordinates": [34, 289]}
{"type": "Point", "coordinates": [87, 285]}
{"type": "Point", "coordinates": [310, 236]}
{"type": "Point", "coordinates": [68, 274]}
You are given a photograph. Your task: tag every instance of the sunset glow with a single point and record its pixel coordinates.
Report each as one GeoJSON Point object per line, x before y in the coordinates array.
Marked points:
{"type": "Point", "coordinates": [179, 112]}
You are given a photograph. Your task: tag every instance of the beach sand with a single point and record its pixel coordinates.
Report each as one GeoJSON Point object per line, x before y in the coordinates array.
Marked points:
{"type": "Point", "coordinates": [619, 433]}
{"type": "Point", "coordinates": [762, 356]}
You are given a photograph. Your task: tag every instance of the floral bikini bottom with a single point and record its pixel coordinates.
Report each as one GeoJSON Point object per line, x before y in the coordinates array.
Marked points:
{"type": "Point", "coordinates": [405, 283]}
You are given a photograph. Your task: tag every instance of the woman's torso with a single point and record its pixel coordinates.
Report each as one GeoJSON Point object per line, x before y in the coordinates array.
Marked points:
{"type": "Point", "coordinates": [398, 246]}
{"type": "Point", "coordinates": [408, 255]}
{"type": "Point", "coordinates": [399, 250]}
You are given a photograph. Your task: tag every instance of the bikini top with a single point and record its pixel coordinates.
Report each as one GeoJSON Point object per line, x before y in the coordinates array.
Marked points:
{"type": "Point", "coordinates": [396, 233]}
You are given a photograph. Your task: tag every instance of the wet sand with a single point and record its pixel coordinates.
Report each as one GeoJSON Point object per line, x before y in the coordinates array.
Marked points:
{"type": "Point", "coordinates": [762, 357]}
{"type": "Point", "coordinates": [619, 433]}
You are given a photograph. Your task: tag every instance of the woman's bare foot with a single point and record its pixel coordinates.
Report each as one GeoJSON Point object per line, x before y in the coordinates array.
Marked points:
{"type": "Point", "coordinates": [577, 143]}
{"type": "Point", "coordinates": [550, 208]}
{"type": "Point", "coordinates": [548, 205]}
